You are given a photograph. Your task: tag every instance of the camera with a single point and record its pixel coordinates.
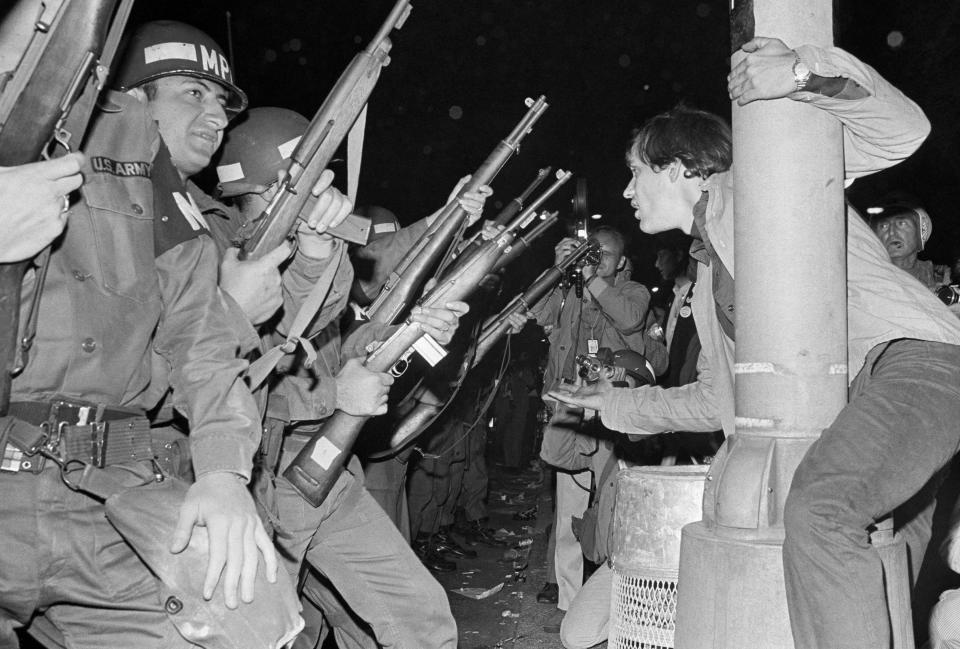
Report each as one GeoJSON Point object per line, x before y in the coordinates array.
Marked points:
{"type": "Point", "coordinates": [574, 274]}
{"type": "Point", "coordinates": [949, 294]}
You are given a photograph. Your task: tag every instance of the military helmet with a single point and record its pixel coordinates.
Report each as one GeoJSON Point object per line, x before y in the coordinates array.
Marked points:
{"type": "Point", "coordinates": [256, 148]}
{"type": "Point", "coordinates": [917, 213]}
{"type": "Point", "coordinates": [164, 48]}
{"type": "Point", "coordinates": [635, 365]}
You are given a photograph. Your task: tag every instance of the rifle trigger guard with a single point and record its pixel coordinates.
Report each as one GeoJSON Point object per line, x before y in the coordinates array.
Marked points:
{"type": "Point", "coordinates": [400, 367]}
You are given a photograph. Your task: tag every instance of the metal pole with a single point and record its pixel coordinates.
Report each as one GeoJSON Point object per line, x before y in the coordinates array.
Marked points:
{"type": "Point", "coordinates": [791, 374]}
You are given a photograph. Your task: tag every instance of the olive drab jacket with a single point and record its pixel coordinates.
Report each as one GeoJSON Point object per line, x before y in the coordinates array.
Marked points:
{"type": "Point", "coordinates": [112, 299]}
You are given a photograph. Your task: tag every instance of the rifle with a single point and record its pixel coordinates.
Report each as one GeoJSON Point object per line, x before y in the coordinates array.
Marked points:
{"type": "Point", "coordinates": [428, 404]}
{"type": "Point", "coordinates": [315, 469]}
{"type": "Point", "coordinates": [521, 221]}
{"type": "Point", "coordinates": [525, 240]}
{"type": "Point", "coordinates": [329, 126]}
{"type": "Point", "coordinates": [410, 274]}
{"type": "Point", "coordinates": [49, 98]}
{"type": "Point", "coordinates": [516, 204]}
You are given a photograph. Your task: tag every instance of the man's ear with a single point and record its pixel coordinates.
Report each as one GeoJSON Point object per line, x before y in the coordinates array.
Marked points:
{"type": "Point", "coordinates": [622, 263]}
{"type": "Point", "coordinates": [139, 94]}
{"type": "Point", "coordinates": [676, 170]}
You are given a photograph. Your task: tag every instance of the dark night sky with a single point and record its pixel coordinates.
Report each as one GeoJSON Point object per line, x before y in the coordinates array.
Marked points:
{"type": "Point", "coordinates": [461, 69]}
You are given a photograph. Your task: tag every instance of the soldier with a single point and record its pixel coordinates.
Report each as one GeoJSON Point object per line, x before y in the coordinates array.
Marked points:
{"type": "Point", "coordinates": [133, 275]}
{"type": "Point", "coordinates": [348, 539]}
{"type": "Point", "coordinates": [904, 231]}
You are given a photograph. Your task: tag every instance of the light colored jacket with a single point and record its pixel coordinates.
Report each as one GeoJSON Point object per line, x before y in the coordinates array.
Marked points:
{"type": "Point", "coordinates": [884, 303]}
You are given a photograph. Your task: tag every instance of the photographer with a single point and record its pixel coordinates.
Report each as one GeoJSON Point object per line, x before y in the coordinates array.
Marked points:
{"type": "Point", "coordinates": [610, 312]}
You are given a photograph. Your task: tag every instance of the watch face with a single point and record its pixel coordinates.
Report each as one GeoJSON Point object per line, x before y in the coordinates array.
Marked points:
{"type": "Point", "coordinates": [801, 71]}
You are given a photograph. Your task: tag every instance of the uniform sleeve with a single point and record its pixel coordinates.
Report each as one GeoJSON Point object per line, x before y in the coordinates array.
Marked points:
{"type": "Point", "coordinates": [881, 129]}
{"type": "Point", "coordinates": [625, 306]}
{"type": "Point", "coordinates": [300, 278]}
{"type": "Point", "coordinates": [651, 409]}
{"type": "Point", "coordinates": [243, 329]}
{"type": "Point", "coordinates": [198, 343]}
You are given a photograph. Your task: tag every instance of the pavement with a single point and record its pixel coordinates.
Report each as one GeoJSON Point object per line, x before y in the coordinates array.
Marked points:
{"type": "Point", "coordinates": [511, 616]}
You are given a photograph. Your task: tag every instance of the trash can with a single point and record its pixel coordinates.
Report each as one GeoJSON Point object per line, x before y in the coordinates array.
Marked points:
{"type": "Point", "coordinates": [653, 504]}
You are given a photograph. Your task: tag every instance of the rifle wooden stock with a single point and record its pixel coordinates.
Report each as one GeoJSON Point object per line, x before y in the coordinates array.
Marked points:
{"type": "Point", "coordinates": [316, 148]}
{"type": "Point", "coordinates": [317, 466]}
{"type": "Point", "coordinates": [428, 403]}
{"type": "Point", "coordinates": [58, 66]}
{"type": "Point", "coordinates": [412, 271]}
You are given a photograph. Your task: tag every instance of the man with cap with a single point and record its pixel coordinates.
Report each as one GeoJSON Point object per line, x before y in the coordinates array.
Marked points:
{"type": "Point", "coordinates": [348, 539]}
{"type": "Point", "coordinates": [904, 231]}
{"type": "Point", "coordinates": [133, 282]}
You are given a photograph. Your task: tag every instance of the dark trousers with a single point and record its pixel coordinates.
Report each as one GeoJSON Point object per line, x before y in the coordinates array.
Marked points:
{"type": "Point", "coordinates": [901, 426]}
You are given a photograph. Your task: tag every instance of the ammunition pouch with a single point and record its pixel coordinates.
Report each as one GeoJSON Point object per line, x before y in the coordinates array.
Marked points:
{"type": "Point", "coordinates": [146, 517]}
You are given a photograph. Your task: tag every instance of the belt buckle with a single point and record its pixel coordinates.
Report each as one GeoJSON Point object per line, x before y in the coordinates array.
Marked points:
{"type": "Point", "coordinates": [98, 444]}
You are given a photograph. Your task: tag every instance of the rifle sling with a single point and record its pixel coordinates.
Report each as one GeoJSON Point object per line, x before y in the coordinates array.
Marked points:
{"type": "Point", "coordinates": [77, 117]}
{"type": "Point", "coordinates": [355, 154]}
{"type": "Point", "coordinates": [260, 369]}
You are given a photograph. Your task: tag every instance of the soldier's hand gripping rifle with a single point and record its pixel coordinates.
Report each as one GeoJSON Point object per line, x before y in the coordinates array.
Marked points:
{"type": "Point", "coordinates": [48, 99]}
{"type": "Point", "coordinates": [404, 282]}
{"type": "Point", "coordinates": [428, 404]}
{"type": "Point", "coordinates": [315, 469]}
{"type": "Point", "coordinates": [329, 126]}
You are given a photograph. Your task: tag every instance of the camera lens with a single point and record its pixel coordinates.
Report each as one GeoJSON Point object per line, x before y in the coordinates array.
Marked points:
{"type": "Point", "coordinates": [949, 295]}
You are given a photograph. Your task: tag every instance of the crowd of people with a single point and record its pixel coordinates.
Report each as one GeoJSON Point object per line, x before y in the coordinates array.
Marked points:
{"type": "Point", "coordinates": [142, 321]}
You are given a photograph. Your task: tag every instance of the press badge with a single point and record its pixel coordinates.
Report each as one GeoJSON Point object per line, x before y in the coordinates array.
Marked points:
{"type": "Point", "coordinates": [593, 346]}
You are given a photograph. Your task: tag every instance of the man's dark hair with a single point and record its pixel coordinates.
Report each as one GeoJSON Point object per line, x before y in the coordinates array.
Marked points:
{"type": "Point", "coordinates": [701, 141]}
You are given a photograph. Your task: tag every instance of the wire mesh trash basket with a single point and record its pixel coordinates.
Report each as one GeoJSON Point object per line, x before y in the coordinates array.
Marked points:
{"type": "Point", "coordinates": [653, 504]}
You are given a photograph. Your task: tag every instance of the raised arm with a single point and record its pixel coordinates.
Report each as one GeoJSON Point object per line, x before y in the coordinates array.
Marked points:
{"type": "Point", "coordinates": [882, 126]}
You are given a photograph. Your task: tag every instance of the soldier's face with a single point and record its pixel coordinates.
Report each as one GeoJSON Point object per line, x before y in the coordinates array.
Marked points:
{"type": "Point", "coordinates": [899, 235]}
{"type": "Point", "coordinates": [191, 119]}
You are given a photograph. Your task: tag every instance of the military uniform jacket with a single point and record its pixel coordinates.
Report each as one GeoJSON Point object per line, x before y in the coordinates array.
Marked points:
{"type": "Point", "coordinates": [110, 302]}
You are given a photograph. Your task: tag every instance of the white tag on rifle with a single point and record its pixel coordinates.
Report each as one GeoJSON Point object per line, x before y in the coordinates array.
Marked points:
{"type": "Point", "coordinates": [429, 349]}
{"type": "Point", "coordinates": [324, 453]}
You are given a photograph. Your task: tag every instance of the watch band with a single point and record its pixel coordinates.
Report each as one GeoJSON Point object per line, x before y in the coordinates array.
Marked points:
{"type": "Point", "coordinates": [801, 73]}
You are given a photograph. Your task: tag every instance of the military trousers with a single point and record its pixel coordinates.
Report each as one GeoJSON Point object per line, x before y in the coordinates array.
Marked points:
{"type": "Point", "coordinates": [350, 540]}
{"type": "Point", "coordinates": [61, 557]}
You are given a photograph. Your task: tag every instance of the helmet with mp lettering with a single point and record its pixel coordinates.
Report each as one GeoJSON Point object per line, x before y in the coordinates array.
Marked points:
{"type": "Point", "coordinates": [256, 147]}
{"type": "Point", "coordinates": [164, 48]}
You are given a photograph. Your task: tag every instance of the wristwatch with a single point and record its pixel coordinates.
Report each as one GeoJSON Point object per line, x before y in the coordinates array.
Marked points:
{"type": "Point", "coordinates": [801, 73]}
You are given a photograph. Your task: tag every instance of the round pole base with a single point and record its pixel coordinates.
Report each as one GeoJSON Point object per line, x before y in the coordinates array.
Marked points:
{"type": "Point", "coordinates": [730, 593]}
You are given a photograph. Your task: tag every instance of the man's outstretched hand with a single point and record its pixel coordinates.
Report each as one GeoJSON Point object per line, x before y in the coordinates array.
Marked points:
{"type": "Point", "coordinates": [585, 396]}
